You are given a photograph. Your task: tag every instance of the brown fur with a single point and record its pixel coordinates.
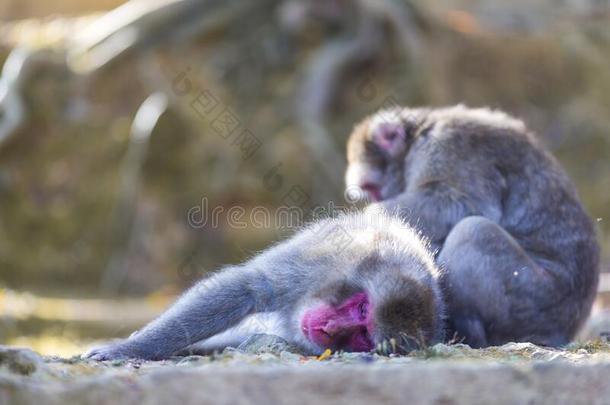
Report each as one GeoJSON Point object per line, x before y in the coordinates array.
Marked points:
{"type": "Point", "coordinates": [411, 313]}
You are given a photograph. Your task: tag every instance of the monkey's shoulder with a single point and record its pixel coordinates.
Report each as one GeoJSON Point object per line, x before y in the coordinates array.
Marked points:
{"type": "Point", "coordinates": [358, 234]}
{"type": "Point", "coordinates": [470, 129]}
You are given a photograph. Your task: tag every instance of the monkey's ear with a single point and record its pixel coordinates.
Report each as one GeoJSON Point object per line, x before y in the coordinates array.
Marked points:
{"type": "Point", "coordinates": [390, 137]}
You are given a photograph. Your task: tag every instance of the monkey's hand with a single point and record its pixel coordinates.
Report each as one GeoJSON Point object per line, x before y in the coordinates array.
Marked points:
{"type": "Point", "coordinates": [123, 349]}
{"type": "Point", "coordinates": [434, 228]}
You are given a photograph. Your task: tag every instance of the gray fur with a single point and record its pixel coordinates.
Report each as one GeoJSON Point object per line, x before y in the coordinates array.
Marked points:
{"type": "Point", "coordinates": [382, 253]}
{"type": "Point", "coordinates": [519, 253]}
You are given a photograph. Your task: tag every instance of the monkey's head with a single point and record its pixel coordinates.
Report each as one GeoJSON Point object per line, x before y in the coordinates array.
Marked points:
{"type": "Point", "coordinates": [383, 307]}
{"type": "Point", "coordinates": [349, 325]}
{"type": "Point", "coordinates": [376, 150]}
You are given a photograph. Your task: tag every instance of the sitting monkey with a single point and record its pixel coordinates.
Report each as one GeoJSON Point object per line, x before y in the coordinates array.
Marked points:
{"type": "Point", "coordinates": [348, 283]}
{"type": "Point", "coordinates": [518, 253]}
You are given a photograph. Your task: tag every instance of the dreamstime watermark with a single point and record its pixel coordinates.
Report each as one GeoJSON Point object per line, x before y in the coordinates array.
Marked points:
{"type": "Point", "coordinates": [331, 233]}
{"type": "Point", "coordinates": [227, 125]}
{"type": "Point", "coordinates": [220, 117]}
{"type": "Point", "coordinates": [295, 210]}
{"type": "Point", "coordinates": [354, 194]}
{"type": "Point", "coordinates": [367, 92]}
{"type": "Point", "coordinates": [259, 217]}
{"type": "Point", "coordinates": [336, 236]}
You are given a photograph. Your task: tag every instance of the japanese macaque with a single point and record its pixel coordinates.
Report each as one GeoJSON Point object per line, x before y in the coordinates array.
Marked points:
{"type": "Point", "coordinates": [518, 254]}
{"type": "Point", "coordinates": [349, 283]}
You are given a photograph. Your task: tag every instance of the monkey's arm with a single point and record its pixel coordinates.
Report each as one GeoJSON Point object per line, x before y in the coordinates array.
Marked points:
{"type": "Point", "coordinates": [436, 206]}
{"type": "Point", "coordinates": [208, 308]}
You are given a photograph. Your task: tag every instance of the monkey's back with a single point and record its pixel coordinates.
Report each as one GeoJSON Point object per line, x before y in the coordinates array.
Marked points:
{"type": "Point", "coordinates": [517, 183]}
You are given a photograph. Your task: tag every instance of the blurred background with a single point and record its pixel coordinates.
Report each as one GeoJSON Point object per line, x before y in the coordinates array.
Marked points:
{"type": "Point", "coordinates": [124, 125]}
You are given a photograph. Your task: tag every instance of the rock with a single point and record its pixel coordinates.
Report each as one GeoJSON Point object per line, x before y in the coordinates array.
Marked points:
{"type": "Point", "coordinates": [20, 361]}
{"type": "Point", "coordinates": [311, 381]}
{"type": "Point", "coordinates": [264, 343]}
{"type": "Point", "coordinates": [443, 374]}
{"type": "Point", "coordinates": [290, 357]}
{"type": "Point", "coordinates": [442, 350]}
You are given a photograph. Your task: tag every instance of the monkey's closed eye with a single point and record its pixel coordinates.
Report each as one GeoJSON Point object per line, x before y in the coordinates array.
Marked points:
{"type": "Point", "coordinates": [362, 310]}
{"type": "Point", "coordinates": [390, 135]}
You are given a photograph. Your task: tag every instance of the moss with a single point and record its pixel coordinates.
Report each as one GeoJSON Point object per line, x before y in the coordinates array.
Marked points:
{"type": "Point", "coordinates": [594, 346]}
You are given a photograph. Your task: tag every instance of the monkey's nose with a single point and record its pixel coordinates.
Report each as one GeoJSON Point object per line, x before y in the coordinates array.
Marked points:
{"type": "Point", "coordinates": [331, 328]}
{"type": "Point", "coordinates": [339, 328]}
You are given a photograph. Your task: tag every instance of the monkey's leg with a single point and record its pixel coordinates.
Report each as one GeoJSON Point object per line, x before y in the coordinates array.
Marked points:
{"type": "Point", "coordinates": [495, 291]}
{"type": "Point", "coordinates": [210, 307]}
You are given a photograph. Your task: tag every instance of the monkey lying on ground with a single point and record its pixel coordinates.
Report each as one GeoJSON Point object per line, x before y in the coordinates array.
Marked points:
{"type": "Point", "coordinates": [518, 253]}
{"type": "Point", "coordinates": [348, 283]}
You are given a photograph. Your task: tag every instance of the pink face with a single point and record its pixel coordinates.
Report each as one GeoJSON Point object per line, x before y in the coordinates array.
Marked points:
{"type": "Point", "coordinates": [391, 139]}
{"type": "Point", "coordinates": [347, 327]}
